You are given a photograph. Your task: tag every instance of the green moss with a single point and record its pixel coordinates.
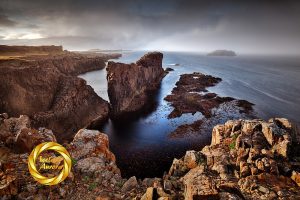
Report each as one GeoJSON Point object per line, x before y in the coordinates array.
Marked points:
{"type": "Point", "coordinates": [86, 178]}
{"type": "Point", "coordinates": [233, 141]}
{"type": "Point", "coordinates": [74, 161]}
{"type": "Point", "coordinates": [92, 186]}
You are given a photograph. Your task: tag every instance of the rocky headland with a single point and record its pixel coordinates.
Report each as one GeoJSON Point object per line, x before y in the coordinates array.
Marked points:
{"type": "Point", "coordinates": [45, 88]}
{"type": "Point", "coordinates": [247, 159]}
{"type": "Point", "coordinates": [222, 53]}
{"type": "Point", "coordinates": [191, 95]}
{"type": "Point", "coordinates": [130, 85]}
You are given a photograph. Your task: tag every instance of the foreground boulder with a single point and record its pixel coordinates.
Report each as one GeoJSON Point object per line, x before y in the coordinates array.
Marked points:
{"type": "Point", "coordinates": [51, 99]}
{"type": "Point", "coordinates": [130, 85]}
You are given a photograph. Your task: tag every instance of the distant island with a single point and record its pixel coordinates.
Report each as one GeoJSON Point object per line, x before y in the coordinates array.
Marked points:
{"type": "Point", "coordinates": [222, 53]}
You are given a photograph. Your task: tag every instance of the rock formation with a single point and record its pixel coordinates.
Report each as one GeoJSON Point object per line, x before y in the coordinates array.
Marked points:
{"type": "Point", "coordinates": [247, 159]}
{"type": "Point", "coordinates": [50, 98]}
{"type": "Point", "coordinates": [18, 134]}
{"type": "Point", "coordinates": [222, 53]}
{"type": "Point", "coordinates": [190, 96]}
{"type": "Point", "coordinates": [129, 85]}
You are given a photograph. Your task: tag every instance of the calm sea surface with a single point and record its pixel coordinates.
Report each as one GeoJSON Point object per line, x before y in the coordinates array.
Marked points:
{"type": "Point", "coordinates": [143, 148]}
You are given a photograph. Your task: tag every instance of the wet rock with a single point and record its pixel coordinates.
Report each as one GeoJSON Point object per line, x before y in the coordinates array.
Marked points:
{"type": "Point", "coordinates": [129, 85]}
{"type": "Point", "coordinates": [129, 184]}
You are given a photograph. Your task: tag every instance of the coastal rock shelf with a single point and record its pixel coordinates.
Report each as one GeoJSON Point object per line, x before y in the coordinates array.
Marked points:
{"type": "Point", "coordinates": [129, 85]}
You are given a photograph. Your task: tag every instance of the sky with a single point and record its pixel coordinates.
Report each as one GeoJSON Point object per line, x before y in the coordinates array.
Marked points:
{"type": "Point", "coordinates": [255, 27]}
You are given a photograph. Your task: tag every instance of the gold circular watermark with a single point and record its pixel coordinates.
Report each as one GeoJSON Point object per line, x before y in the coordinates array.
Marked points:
{"type": "Point", "coordinates": [33, 157]}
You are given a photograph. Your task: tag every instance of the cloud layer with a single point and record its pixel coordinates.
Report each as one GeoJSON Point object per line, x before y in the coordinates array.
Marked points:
{"type": "Point", "coordinates": [179, 25]}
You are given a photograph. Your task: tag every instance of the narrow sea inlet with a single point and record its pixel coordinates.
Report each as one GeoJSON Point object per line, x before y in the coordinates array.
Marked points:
{"type": "Point", "coordinates": [143, 147]}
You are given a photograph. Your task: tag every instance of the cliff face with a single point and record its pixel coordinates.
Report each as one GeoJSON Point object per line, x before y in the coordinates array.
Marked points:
{"type": "Point", "coordinates": [129, 85]}
{"type": "Point", "coordinates": [51, 99]}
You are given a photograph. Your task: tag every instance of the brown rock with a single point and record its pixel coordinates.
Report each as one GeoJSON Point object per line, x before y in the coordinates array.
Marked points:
{"type": "Point", "coordinates": [90, 143]}
{"type": "Point", "coordinates": [129, 85]}
{"type": "Point", "coordinates": [129, 184]}
{"type": "Point", "coordinates": [190, 159]}
{"type": "Point", "coordinates": [17, 133]}
{"type": "Point", "coordinates": [49, 98]}
{"type": "Point", "coordinates": [198, 185]}
{"type": "Point", "coordinates": [296, 177]}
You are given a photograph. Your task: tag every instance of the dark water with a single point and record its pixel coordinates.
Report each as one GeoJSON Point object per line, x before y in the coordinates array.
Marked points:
{"type": "Point", "coordinates": [142, 147]}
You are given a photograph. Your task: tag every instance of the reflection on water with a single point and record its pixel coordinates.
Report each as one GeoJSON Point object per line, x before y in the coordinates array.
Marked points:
{"type": "Point", "coordinates": [142, 147]}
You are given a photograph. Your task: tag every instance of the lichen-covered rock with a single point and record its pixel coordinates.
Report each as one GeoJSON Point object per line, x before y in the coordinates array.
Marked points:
{"type": "Point", "coordinates": [90, 143]}
{"type": "Point", "coordinates": [129, 85]}
{"type": "Point", "coordinates": [247, 159]}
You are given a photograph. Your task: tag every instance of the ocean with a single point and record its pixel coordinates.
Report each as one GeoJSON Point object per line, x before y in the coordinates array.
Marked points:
{"type": "Point", "coordinates": [142, 146]}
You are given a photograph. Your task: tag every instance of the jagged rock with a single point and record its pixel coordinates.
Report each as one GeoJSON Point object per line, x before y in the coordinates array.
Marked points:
{"type": "Point", "coordinates": [149, 194]}
{"type": "Point", "coordinates": [90, 143]}
{"type": "Point", "coordinates": [246, 158]}
{"type": "Point", "coordinates": [190, 159]}
{"type": "Point", "coordinates": [17, 133]}
{"type": "Point", "coordinates": [296, 177]}
{"type": "Point", "coordinates": [129, 85]}
{"type": "Point", "coordinates": [199, 185]}
{"type": "Point", "coordinates": [129, 184]}
{"type": "Point", "coordinates": [168, 185]}
{"type": "Point", "coordinates": [90, 165]}
{"type": "Point", "coordinates": [279, 138]}
{"type": "Point", "coordinates": [177, 168]}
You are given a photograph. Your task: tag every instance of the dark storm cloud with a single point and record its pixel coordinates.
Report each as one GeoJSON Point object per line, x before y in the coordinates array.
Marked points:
{"type": "Point", "coordinates": [247, 26]}
{"type": "Point", "coordinates": [6, 22]}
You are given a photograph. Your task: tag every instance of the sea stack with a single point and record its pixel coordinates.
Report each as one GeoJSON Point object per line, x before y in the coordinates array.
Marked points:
{"type": "Point", "coordinates": [130, 85]}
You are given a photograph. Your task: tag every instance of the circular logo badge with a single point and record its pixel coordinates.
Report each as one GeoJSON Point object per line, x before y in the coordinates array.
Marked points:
{"type": "Point", "coordinates": [47, 163]}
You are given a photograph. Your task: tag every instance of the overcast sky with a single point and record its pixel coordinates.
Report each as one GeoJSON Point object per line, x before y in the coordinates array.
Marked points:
{"type": "Point", "coordinates": [176, 25]}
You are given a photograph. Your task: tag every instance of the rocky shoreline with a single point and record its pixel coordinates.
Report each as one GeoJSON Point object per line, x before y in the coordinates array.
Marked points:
{"type": "Point", "coordinates": [191, 96]}
{"type": "Point", "coordinates": [247, 159]}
